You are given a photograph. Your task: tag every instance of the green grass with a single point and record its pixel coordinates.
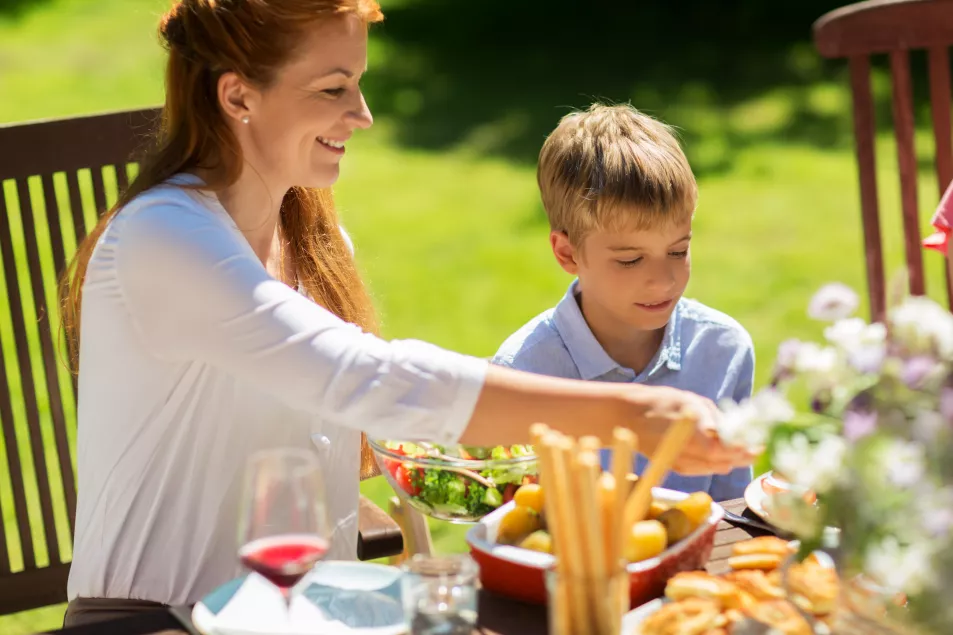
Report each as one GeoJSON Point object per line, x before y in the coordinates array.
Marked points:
{"type": "Point", "coordinates": [454, 243]}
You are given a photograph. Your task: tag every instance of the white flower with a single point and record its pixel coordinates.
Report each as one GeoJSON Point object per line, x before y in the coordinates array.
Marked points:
{"type": "Point", "coordinates": [812, 358]}
{"type": "Point", "coordinates": [815, 468]}
{"type": "Point", "coordinates": [740, 426]}
{"type": "Point", "coordinates": [864, 344]}
{"type": "Point", "coordinates": [820, 367]}
{"type": "Point", "coordinates": [923, 326]}
{"type": "Point", "coordinates": [936, 511]}
{"type": "Point", "coordinates": [927, 425]}
{"type": "Point", "coordinates": [900, 568]}
{"type": "Point", "coordinates": [903, 463]}
{"type": "Point", "coordinates": [748, 424]}
{"type": "Point", "coordinates": [833, 302]}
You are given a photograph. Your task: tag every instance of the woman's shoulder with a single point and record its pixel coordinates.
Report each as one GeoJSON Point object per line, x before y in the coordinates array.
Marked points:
{"type": "Point", "coordinates": [170, 223]}
{"type": "Point", "coordinates": [172, 210]}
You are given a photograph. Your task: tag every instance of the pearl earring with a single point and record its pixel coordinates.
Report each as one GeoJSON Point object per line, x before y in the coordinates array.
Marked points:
{"type": "Point", "coordinates": [246, 119]}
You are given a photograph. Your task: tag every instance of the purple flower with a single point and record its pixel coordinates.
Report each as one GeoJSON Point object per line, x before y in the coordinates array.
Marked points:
{"type": "Point", "coordinates": [916, 370]}
{"type": "Point", "coordinates": [833, 302]}
{"type": "Point", "coordinates": [859, 424]}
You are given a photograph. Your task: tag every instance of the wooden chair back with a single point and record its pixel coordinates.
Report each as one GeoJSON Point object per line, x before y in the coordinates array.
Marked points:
{"type": "Point", "coordinates": [42, 218]}
{"type": "Point", "coordinates": [894, 28]}
{"type": "Point", "coordinates": [56, 177]}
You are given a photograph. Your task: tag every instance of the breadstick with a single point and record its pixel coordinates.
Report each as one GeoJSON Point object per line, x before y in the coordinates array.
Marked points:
{"type": "Point", "coordinates": [589, 444]}
{"type": "Point", "coordinates": [624, 446]}
{"type": "Point", "coordinates": [564, 467]}
{"type": "Point", "coordinates": [586, 480]}
{"type": "Point", "coordinates": [662, 460]}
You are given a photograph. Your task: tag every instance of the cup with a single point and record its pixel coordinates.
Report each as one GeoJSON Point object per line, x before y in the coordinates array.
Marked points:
{"type": "Point", "coordinates": [439, 594]}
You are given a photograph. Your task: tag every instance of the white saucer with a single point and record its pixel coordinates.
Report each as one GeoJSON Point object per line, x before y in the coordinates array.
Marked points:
{"type": "Point", "coordinates": [340, 598]}
{"type": "Point", "coordinates": [755, 497]}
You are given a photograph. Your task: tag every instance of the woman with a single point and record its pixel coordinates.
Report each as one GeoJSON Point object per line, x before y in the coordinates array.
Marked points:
{"type": "Point", "coordinates": [222, 313]}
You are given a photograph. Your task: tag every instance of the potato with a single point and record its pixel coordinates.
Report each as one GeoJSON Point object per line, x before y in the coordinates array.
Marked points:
{"type": "Point", "coordinates": [656, 509]}
{"type": "Point", "coordinates": [538, 541]}
{"type": "Point", "coordinates": [646, 539]}
{"type": "Point", "coordinates": [697, 507]}
{"type": "Point", "coordinates": [530, 495]}
{"type": "Point", "coordinates": [677, 525]}
{"type": "Point", "coordinates": [518, 523]}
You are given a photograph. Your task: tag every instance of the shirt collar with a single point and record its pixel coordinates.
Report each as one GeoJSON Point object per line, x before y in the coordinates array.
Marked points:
{"type": "Point", "coordinates": [589, 356]}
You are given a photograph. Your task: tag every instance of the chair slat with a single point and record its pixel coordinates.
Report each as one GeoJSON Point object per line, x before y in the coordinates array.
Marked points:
{"type": "Point", "coordinates": [4, 548]}
{"type": "Point", "coordinates": [122, 179]}
{"type": "Point", "coordinates": [907, 164]}
{"type": "Point", "coordinates": [79, 230]}
{"type": "Point", "coordinates": [99, 189]}
{"type": "Point", "coordinates": [47, 331]}
{"type": "Point", "coordinates": [30, 390]}
{"type": "Point", "coordinates": [16, 466]}
{"type": "Point", "coordinates": [76, 206]}
{"type": "Point", "coordinates": [866, 161]}
{"type": "Point", "coordinates": [54, 218]}
{"type": "Point", "coordinates": [939, 65]}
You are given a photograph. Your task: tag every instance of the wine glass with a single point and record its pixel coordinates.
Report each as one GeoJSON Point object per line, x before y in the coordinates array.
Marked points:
{"type": "Point", "coordinates": [284, 528]}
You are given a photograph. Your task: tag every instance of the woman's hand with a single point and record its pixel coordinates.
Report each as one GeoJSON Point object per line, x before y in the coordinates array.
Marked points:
{"type": "Point", "coordinates": [511, 401]}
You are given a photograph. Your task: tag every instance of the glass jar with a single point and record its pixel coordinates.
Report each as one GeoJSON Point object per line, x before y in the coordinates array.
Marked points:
{"type": "Point", "coordinates": [581, 605]}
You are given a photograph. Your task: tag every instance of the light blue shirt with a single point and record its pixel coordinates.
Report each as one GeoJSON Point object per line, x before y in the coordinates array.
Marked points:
{"type": "Point", "coordinates": [702, 350]}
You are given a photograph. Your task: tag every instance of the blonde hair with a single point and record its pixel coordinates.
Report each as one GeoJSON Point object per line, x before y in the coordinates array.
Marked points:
{"type": "Point", "coordinates": [612, 167]}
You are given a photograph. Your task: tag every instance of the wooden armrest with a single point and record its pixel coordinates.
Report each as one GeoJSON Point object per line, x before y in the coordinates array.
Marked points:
{"type": "Point", "coordinates": [378, 534]}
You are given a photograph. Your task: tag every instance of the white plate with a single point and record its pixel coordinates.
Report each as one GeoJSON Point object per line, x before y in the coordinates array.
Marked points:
{"type": "Point", "coordinates": [340, 598]}
{"type": "Point", "coordinates": [632, 619]}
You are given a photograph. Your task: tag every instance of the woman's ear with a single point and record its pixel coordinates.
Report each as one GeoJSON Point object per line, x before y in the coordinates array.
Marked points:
{"type": "Point", "coordinates": [565, 253]}
{"type": "Point", "coordinates": [236, 98]}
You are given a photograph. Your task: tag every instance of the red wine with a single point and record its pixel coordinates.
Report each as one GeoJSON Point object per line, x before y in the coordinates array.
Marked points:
{"type": "Point", "coordinates": [283, 560]}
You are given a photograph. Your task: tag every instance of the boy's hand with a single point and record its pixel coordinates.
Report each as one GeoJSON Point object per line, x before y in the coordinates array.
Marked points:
{"type": "Point", "coordinates": [704, 453]}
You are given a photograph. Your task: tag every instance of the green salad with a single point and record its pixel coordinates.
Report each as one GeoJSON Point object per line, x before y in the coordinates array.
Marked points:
{"type": "Point", "coordinates": [456, 490]}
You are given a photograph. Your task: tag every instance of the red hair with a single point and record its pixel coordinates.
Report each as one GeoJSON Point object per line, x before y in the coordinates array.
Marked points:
{"type": "Point", "coordinates": [253, 38]}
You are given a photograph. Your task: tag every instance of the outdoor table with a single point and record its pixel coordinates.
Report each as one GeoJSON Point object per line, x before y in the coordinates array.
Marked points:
{"type": "Point", "coordinates": [498, 615]}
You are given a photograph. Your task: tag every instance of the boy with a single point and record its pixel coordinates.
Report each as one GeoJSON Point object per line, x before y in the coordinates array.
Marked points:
{"type": "Point", "coordinates": [620, 197]}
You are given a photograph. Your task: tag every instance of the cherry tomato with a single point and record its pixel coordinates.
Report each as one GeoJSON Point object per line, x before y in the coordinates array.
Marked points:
{"type": "Point", "coordinates": [403, 477]}
{"type": "Point", "coordinates": [509, 492]}
{"type": "Point", "coordinates": [393, 464]}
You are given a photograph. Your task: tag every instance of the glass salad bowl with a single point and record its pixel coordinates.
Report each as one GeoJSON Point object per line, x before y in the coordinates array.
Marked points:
{"type": "Point", "coordinates": [459, 484]}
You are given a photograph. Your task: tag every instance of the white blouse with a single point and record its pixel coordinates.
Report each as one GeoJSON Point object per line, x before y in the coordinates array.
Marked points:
{"type": "Point", "coordinates": [193, 357]}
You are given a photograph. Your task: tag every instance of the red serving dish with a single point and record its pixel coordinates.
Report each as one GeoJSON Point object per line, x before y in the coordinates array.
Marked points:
{"type": "Point", "coordinates": [519, 573]}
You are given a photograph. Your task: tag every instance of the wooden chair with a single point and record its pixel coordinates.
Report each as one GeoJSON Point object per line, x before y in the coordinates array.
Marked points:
{"type": "Point", "coordinates": [894, 28]}
{"type": "Point", "coordinates": [37, 432]}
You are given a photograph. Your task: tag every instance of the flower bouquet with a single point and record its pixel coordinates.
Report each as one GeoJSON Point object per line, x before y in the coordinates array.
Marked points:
{"type": "Point", "coordinates": [873, 439]}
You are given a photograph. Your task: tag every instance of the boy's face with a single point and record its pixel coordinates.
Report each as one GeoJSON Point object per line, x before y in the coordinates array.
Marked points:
{"type": "Point", "coordinates": [632, 278]}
